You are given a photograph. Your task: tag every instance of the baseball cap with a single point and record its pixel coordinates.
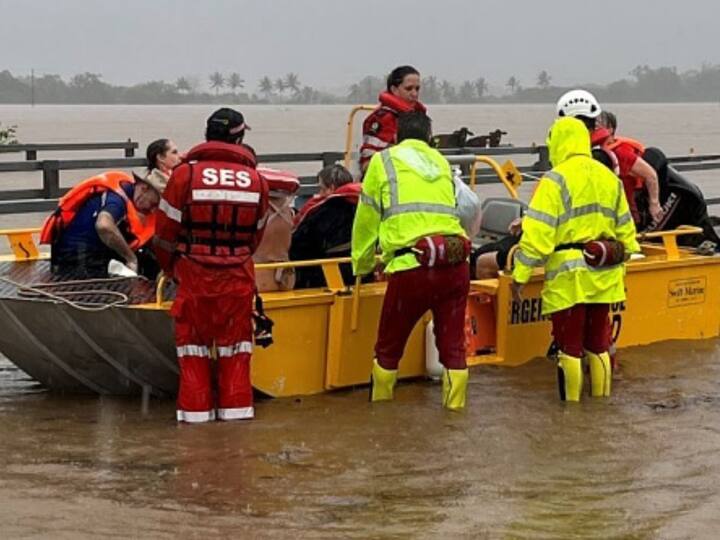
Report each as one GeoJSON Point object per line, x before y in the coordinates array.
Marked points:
{"type": "Point", "coordinates": [155, 179]}
{"type": "Point", "coordinates": [225, 122]}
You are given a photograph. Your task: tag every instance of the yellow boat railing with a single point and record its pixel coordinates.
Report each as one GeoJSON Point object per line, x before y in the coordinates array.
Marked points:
{"type": "Point", "coordinates": [349, 135]}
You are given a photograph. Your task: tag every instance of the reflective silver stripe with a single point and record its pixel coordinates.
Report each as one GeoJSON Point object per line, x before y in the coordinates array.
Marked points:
{"type": "Point", "coordinates": [529, 261]}
{"type": "Point", "coordinates": [193, 350]}
{"type": "Point", "coordinates": [622, 220]}
{"type": "Point", "coordinates": [237, 348]}
{"type": "Point", "coordinates": [419, 207]}
{"type": "Point", "coordinates": [395, 207]}
{"type": "Point", "coordinates": [375, 141]}
{"type": "Point", "coordinates": [565, 267]}
{"type": "Point", "coordinates": [367, 199]}
{"type": "Point", "coordinates": [194, 417]}
{"type": "Point", "coordinates": [433, 251]}
{"type": "Point", "coordinates": [559, 179]}
{"type": "Point", "coordinates": [225, 195]}
{"type": "Point", "coordinates": [367, 152]}
{"type": "Point", "coordinates": [170, 211]}
{"type": "Point", "coordinates": [238, 413]}
{"type": "Point", "coordinates": [556, 177]}
{"type": "Point", "coordinates": [588, 209]}
{"type": "Point", "coordinates": [391, 176]}
{"type": "Point", "coordinates": [542, 217]}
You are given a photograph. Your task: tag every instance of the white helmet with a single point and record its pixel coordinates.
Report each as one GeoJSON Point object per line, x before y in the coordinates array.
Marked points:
{"type": "Point", "coordinates": [578, 103]}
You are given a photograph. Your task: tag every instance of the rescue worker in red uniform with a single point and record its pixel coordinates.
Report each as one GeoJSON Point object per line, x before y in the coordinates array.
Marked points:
{"type": "Point", "coordinates": [210, 221]}
{"type": "Point", "coordinates": [380, 127]}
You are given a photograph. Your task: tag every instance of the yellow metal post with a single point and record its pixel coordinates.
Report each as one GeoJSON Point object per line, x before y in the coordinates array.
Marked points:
{"type": "Point", "coordinates": [349, 132]}
{"type": "Point", "coordinates": [501, 174]}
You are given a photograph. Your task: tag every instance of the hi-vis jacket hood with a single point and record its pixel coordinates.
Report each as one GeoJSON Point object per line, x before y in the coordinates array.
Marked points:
{"type": "Point", "coordinates": [408, 192]}
{"type": "Point", "coordinates": [579, 200]}
{"type": "Point", "coordinates": [421, 163]}
{"type": "Point", "coordinates": [567, 137]}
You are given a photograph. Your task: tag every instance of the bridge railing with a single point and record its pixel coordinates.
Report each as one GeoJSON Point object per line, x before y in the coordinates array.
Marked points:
{"type": "Point", "coordinates": [18, 201]}
{"type": "Point", "coordinates": [31, 150]}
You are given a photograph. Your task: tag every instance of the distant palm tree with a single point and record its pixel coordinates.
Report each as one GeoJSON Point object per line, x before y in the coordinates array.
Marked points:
{"type": "Point", "coordinates": [448, 92]}
{"type": "Point", "coordinates": [266, 86]}
{"type": "Point", "coordinates": [280, 85]}
{"type": "Point", "coordinates": [292, 82]}
{"type": "Point", "coordinates": [543, 79]}
{"type": "Point", "coordinates": [481, 87]}
{"type": "Point", "coordinates": [217, 81]}
{"type": "Point", "coordinates": [467, 92]}
{"type": "Point", "coordinates": [235, 81]}
{"type": "Point", "coordinates": [512, 83]}
{"type": "Point", "coordinates": [183, 85]}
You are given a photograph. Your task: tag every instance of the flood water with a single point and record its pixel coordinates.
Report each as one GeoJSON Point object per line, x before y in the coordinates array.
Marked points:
{"type": "Point", "coordinates": [517, 463]}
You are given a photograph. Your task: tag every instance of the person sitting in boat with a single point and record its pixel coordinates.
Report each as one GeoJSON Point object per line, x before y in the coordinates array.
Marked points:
{"type": "Point", "coordinates": [210, 221]}
{"type": "Point", "coordinates": [275, 244]}
{"type": "Point", "coordinates": [323, 227]}
{"type": "Point", "coordinates": [682, 201]}
{"type": "Point", "coordinates": [408, 206]}
{"type": "Point", "coordinates": [379, 129]}
{"type": "Point", "coordinates": [108, 216]}
{"type": "Point", "coordinates": [636, 174]}
{"type": "Point", "coordinates": [163, 155]}
{"type": "Point", "coordinates": [579, 228]}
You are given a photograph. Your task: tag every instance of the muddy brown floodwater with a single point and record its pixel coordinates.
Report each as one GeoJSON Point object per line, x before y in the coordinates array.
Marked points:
{"type": "Point", "coordinates": [516, 464]}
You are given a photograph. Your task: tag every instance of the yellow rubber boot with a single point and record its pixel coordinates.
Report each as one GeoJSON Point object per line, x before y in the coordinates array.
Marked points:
{"type": "Point", "coordinates": [382, 382]}
{"type": "Point", "coordinates": [454, 388]}
{"type": "Point", "coordinates": [570, 377]}
{"type": "Point", "coordinates": [600, 374]}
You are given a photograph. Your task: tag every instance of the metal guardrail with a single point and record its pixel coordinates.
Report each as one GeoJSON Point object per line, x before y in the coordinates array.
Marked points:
{"type": "Point", "coordinates": [31, 150]}
{"type": "Point", "coordinates": [44, 199]}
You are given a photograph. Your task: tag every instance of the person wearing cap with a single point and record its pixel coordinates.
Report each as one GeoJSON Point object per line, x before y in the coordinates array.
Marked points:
{"type": "Point", "coordinates": [108, 216]}
{"type": "Point", "coordinates": [210, 221]}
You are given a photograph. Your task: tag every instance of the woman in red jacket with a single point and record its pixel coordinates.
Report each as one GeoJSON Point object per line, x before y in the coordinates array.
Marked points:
{"type": "Point", "coordinates": [380, 127]}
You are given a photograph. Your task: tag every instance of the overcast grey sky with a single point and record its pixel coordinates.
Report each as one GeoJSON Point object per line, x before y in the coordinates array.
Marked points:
{"type": "Point", "coordinates": [332, 43]}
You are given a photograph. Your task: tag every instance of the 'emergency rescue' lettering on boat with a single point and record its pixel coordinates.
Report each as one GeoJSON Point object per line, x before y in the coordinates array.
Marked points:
{"type": "Point", "coordinates": [529, 311]}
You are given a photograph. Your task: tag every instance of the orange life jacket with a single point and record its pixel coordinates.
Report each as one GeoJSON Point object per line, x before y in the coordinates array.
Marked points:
{"type": "Point", "coordinates": [142, 228]}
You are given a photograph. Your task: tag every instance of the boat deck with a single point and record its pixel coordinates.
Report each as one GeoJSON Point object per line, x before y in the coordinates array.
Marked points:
{"type": "Point", "coordinates": [17, 279]}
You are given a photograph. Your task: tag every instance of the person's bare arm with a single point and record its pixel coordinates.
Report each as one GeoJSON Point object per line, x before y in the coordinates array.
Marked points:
{"type": "Point", "coordinates": [112, 238]}
{"type": "Point", "coordinates": [642, 169]}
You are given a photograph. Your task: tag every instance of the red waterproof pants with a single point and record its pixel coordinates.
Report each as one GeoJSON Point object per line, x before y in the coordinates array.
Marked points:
{"type": "Point", "coordinates": [582, 327]}
{"type": "Point", "coordinates": [410, 293]}
{"type": "Point", "coordinates": [213, 307]}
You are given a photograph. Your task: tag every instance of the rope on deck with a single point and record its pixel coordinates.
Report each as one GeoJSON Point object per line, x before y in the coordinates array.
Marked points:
{"type": "Point", "coordinates": [35, 290]}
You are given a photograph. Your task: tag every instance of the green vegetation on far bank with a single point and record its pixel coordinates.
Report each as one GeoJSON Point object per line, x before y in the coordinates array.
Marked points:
{"type": "Point", "coordinates": [644, 84]}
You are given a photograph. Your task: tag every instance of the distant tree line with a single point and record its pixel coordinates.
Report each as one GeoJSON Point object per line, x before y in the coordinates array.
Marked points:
{"type": "Point", "coordinates": [644, 84]}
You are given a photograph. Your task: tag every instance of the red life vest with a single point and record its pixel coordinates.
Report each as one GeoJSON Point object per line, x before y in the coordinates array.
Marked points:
{"type": "Point", "coordinates": [380, 127]}
{"type": "Point", "coordinates": [141, 227]}
{"type": "Point", "coordinates": [350, 192]}
{"type": "Point", "coordinates": [224, 205]}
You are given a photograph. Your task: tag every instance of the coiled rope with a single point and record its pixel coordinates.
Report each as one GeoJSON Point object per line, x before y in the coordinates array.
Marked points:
{"type": "Point", "coordinates": [37, 290]}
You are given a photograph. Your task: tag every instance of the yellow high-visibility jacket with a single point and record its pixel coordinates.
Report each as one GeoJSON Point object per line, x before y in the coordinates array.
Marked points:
{"type": "Point", "coordinates": [408, 192]}
{"type": "Point", "coordinates": [577, 201]}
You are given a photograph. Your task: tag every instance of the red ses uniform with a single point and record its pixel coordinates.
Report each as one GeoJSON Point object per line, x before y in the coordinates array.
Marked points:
{"type": "Point", "coordinates": [210, 222]}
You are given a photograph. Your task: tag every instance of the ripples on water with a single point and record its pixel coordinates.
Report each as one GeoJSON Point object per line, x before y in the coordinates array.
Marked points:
{"type": "Point", "coordinates": [516, 464]}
